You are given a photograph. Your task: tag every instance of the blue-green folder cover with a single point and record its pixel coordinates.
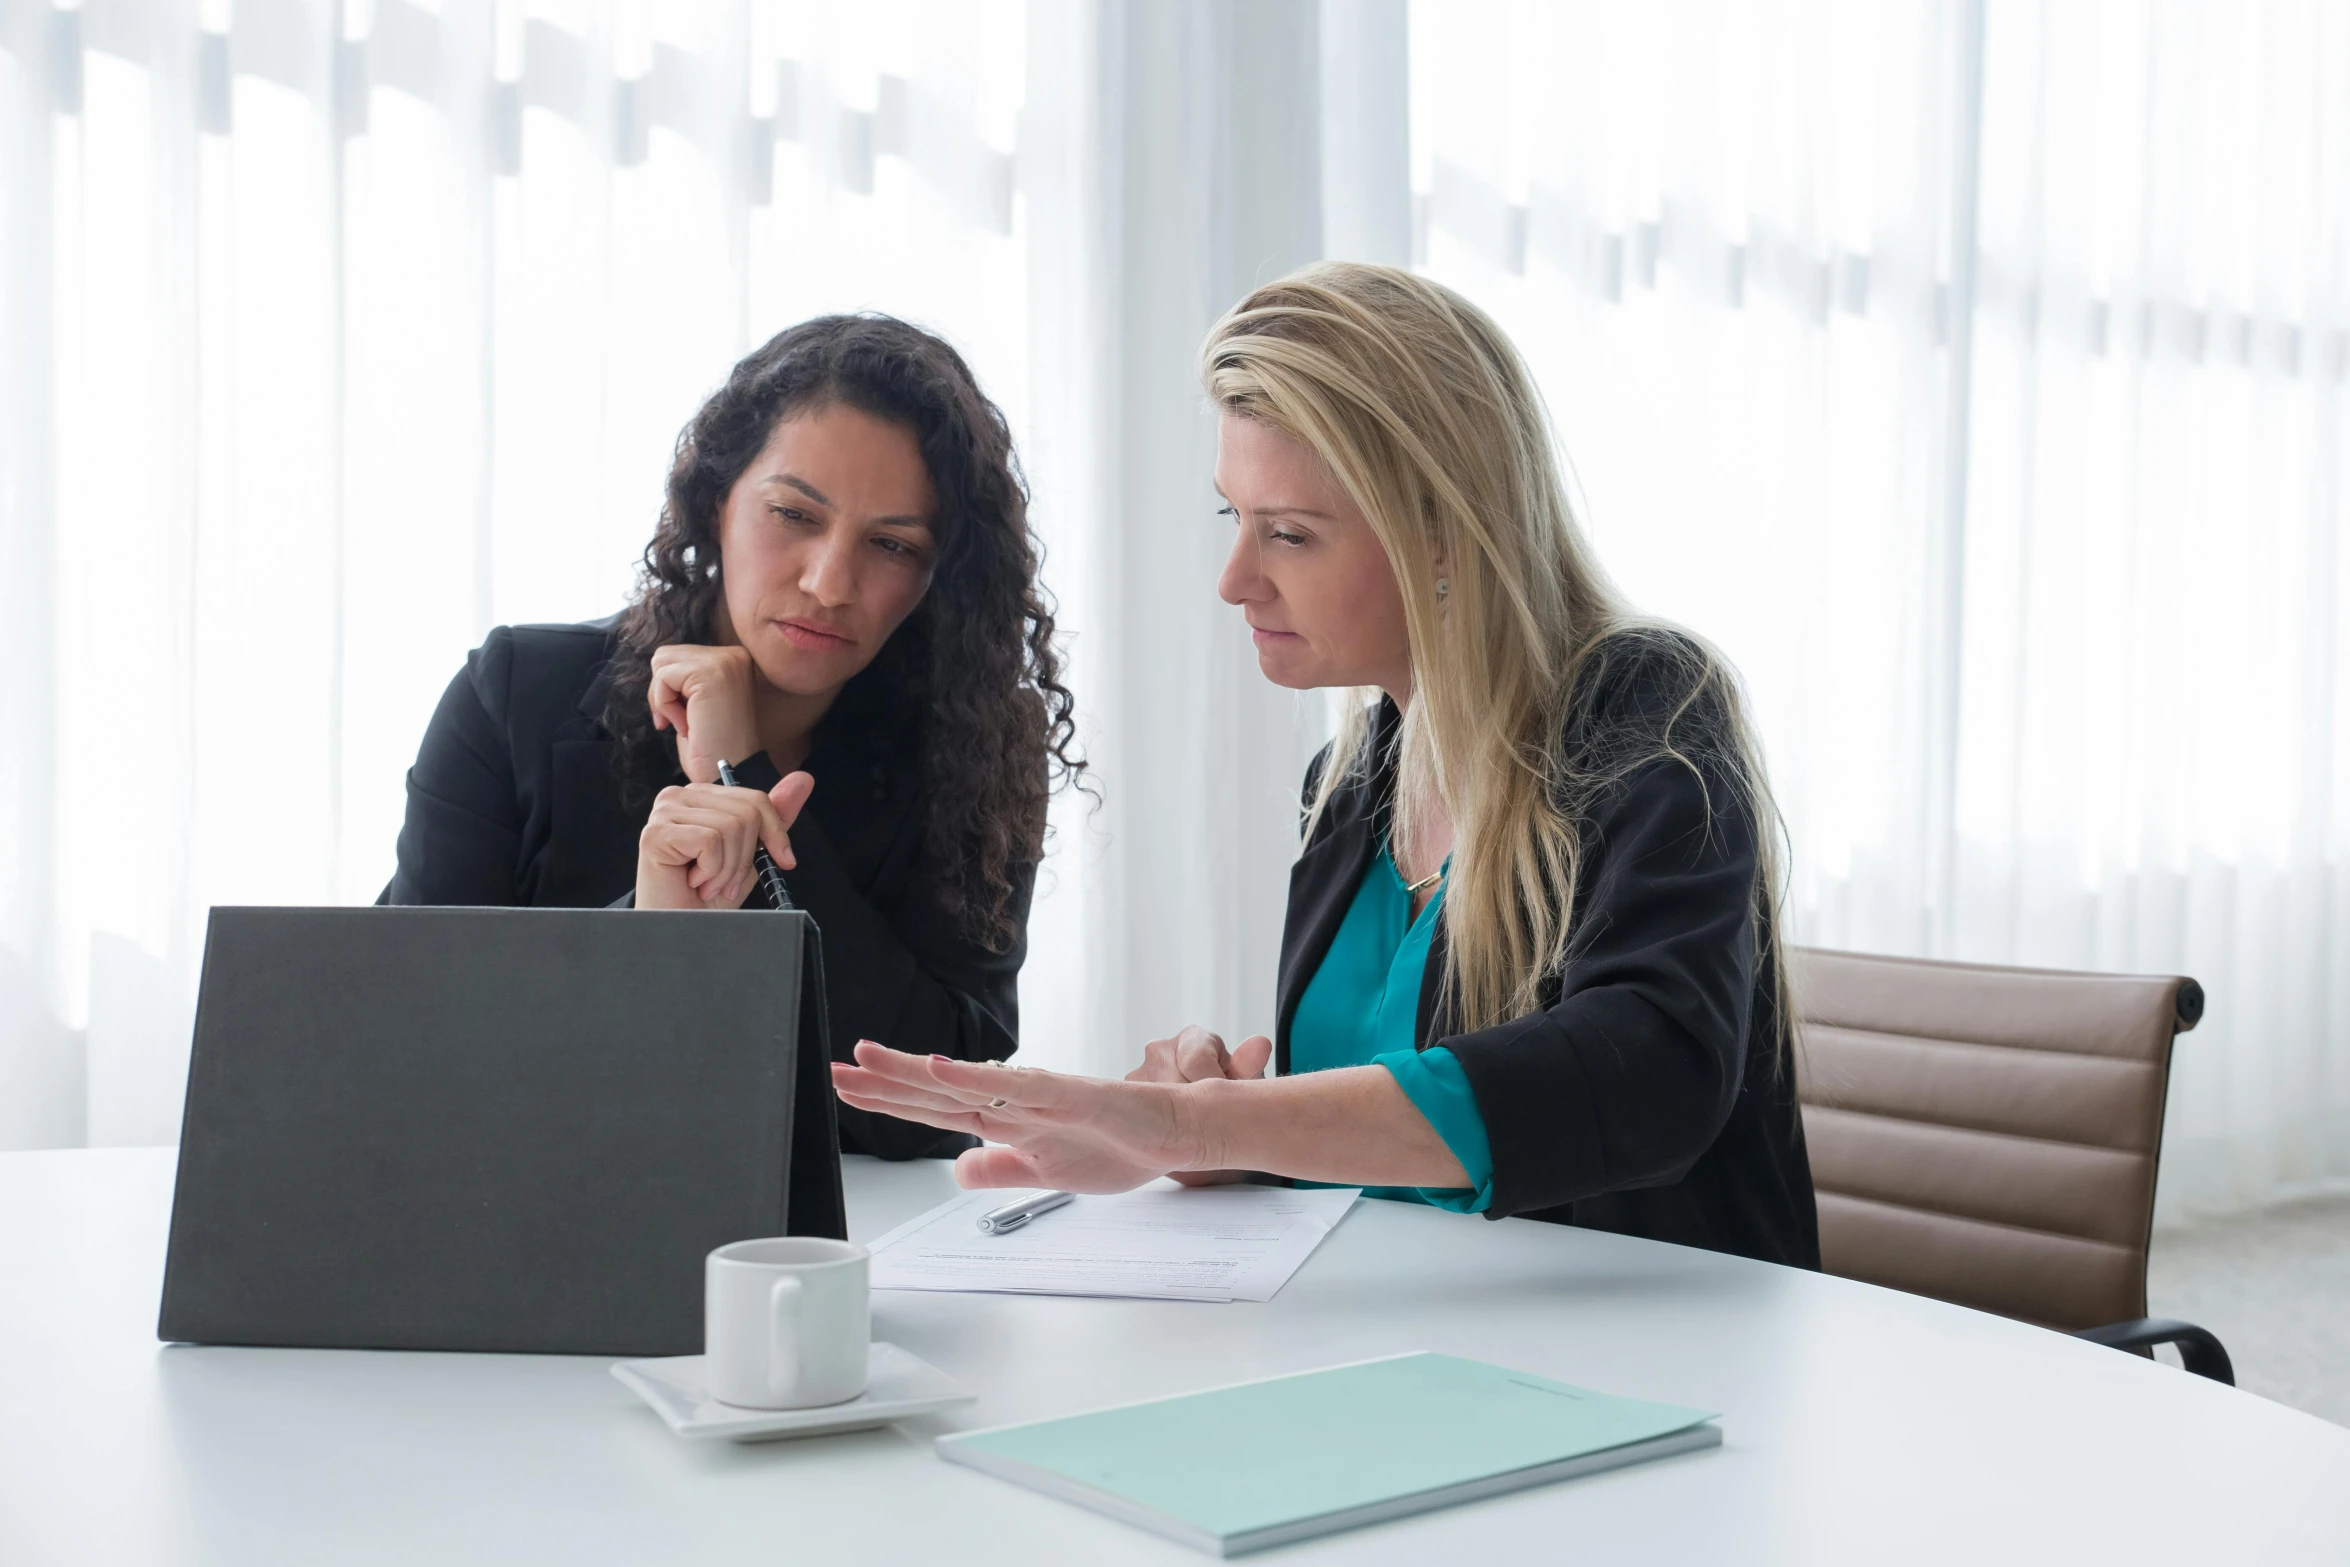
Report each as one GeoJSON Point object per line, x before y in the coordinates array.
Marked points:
{"type": "Point", "coordinates": [1266, 1463]}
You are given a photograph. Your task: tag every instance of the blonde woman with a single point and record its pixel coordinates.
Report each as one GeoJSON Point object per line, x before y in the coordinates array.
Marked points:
{"type": "Point", "coordinates": [1529, 965]}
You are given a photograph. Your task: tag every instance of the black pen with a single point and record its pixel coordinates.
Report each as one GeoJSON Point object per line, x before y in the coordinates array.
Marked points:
{"type": "Point", "coordinates": [769, 877]}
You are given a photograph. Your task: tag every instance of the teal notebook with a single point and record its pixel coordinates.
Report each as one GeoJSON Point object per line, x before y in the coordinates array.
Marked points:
{"type": "Point", "coordinates": [1266, 1463]}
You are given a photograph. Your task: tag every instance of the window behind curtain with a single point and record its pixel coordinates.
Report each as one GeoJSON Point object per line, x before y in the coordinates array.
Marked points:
{"type": "Point", "coordinates": [338, 333]}
{"type": "Point", "coordinates": [1978, 376]}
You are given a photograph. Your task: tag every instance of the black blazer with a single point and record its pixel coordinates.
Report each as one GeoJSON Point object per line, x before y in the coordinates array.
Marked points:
{"type": "Point", "coordinates": [1649, 1095]}
{"type": "Point", "coordinates": [514, 800]}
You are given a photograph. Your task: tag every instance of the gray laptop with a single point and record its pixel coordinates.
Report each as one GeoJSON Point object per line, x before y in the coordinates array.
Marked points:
{"type": "Point", "coordinates": [493, 1129]}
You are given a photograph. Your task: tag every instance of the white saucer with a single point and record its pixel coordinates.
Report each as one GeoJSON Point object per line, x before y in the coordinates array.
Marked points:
{"type": "Point", "coordinates": [897, 1385]}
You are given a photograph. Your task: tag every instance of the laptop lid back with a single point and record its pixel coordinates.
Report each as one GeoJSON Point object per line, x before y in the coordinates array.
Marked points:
{"type": "Point", "coordinates": [493, 1129]}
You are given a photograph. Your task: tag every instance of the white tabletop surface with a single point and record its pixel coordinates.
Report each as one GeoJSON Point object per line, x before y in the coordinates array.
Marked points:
{"type": "Point", "coordinates": [1859, 1425]}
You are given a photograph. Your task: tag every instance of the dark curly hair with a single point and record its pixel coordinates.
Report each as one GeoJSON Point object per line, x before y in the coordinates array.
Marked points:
{"type": "Point", "coordinates": [969, 686]}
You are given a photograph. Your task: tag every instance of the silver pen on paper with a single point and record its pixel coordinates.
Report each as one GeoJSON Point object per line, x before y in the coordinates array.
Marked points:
{"type": "Point", "coordinates": [1012, 1215]}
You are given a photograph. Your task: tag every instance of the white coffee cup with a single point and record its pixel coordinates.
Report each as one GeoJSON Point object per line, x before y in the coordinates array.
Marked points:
{"type": "Point", "coordinates": [786, 1322]}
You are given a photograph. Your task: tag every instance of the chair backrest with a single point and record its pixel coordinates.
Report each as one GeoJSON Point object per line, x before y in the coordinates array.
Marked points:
{"type": "Point", "coordinates": [1987, 1135]}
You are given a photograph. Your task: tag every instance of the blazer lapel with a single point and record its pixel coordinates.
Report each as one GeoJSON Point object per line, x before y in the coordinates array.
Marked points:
{"type": "Point", "coordinates": [1321, 887]}
{"type": "Point", "coordinates": [1436, 1014]}
{"type": "Point", "coordinates": [1328, 873]}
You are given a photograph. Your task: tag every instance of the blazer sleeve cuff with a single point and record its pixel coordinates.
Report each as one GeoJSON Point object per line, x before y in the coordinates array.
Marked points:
{"type": "Point", "coordinates": [1541, 1116]}
{"type": "Point", "coordinates": [1437, 1087]}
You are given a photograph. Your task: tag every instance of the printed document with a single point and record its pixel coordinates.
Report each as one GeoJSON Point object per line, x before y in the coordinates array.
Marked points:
{"type": "Point", "coordinates": [1162, 1242]}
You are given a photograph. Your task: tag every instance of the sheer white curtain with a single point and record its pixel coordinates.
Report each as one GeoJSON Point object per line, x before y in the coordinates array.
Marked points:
{"type": "Point", "coordinates": [1973, 370]}
{"type": "Point", "coordinates": [1173, 157]}
{"type": "Point", "coordinates": [2154, 741]}
{"type": "Point", "coordinates": [1976, 375]}
{"type": "Point", "coordinates": [333, 334]}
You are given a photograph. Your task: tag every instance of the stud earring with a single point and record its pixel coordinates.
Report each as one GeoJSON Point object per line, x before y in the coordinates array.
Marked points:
{"type": "Point", "coordinates": [1443, 586]}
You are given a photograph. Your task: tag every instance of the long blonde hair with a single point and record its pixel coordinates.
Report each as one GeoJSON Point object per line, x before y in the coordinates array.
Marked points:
{"type": "Point", "coordinates": [1422, 410]}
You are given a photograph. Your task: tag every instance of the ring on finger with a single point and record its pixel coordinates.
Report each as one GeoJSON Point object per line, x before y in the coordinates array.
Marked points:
{"type": "Point", "coordinates": [995, 1104]}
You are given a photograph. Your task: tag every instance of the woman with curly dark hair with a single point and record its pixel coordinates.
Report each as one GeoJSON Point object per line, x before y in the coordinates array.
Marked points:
{"type": "Point", "coordinates": [840, 601]}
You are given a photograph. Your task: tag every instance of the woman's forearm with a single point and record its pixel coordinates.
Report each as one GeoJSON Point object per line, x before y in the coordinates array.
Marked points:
{"type": "Point", "coordinates": [1350, 1127]}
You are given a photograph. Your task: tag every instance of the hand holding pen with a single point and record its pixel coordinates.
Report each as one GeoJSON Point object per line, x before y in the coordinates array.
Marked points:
{"type": "Point", "coordinates": [762, 863]}
{"type": "Point", "coordinates": [701, 847]}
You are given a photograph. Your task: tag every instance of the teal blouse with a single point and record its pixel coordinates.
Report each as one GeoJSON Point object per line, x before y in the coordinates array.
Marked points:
{"type": "Point", "coordinates": [1362, 1008]}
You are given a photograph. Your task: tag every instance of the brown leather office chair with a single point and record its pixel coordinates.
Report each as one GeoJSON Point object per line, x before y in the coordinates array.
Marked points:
{"type": "Point", "coordinates": [1988, 1136]}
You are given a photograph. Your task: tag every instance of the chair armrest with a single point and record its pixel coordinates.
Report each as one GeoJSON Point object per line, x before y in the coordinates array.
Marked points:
{"type": "Point", "coordinates": [2198, 1348]}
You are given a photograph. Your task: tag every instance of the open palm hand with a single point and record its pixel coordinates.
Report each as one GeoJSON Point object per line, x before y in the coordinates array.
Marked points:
{"type": "Point", "coordinates": [1075, 1134]}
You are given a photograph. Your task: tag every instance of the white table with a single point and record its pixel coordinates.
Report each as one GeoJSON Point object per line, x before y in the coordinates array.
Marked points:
{"type": "Point", "coordinates": [1860, 1425]}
